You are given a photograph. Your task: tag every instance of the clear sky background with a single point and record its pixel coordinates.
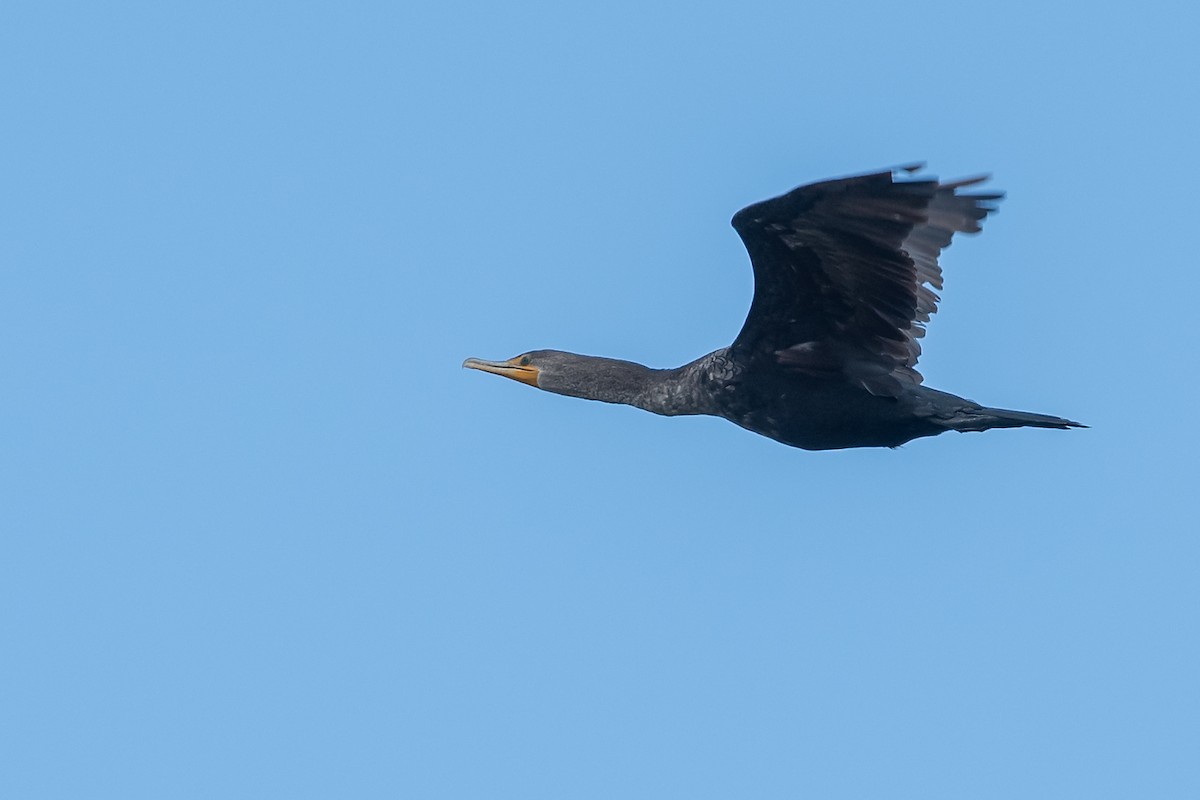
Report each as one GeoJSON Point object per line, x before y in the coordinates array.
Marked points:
{"type": "Point", "coordinates": [263, 537]}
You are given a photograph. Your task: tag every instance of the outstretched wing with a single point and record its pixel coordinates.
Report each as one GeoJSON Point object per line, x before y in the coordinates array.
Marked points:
{"type": "Point", "coordinates": [845, 272]}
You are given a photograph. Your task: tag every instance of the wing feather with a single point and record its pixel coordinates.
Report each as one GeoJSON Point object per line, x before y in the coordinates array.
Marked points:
{"type": "Point", "coordinates": [845, 273]}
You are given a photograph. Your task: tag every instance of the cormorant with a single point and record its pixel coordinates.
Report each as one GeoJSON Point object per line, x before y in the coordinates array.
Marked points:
{"type": "Point", "coordinates": [826, 358]}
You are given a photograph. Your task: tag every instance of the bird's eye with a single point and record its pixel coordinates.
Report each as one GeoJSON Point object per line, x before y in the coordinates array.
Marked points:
{"type": "Point", "coordinates": [524, 361]}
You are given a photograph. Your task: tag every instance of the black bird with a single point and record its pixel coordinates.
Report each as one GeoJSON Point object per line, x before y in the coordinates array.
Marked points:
{"type": "Point", "coordinates": [826, 358]}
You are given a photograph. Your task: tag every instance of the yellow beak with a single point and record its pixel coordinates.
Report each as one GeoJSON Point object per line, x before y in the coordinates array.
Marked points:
{"type": "Point", "coordinates": [509, 369]}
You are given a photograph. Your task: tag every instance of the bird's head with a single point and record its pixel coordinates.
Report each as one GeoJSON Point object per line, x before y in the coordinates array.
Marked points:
{"type": "Point", "coordinates": [541, 369]}
{"type": "Point", "coordinates": [568, 373]}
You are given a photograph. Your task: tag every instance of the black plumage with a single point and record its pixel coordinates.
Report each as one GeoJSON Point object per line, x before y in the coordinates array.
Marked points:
{"type": "Point", "coordinates": [845, 273]}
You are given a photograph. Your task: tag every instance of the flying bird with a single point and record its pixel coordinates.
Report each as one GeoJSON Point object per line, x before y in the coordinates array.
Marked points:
{"type": "Point", "coordinates": [845, 273]}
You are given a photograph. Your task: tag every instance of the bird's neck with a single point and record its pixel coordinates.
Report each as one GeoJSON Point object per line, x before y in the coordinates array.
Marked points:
{"type": "Point", "coordinates": [670, 392]}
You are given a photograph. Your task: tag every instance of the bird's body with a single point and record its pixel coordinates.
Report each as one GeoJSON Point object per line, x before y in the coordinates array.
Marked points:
{"type": "Point", "coordinates": [826, 358]}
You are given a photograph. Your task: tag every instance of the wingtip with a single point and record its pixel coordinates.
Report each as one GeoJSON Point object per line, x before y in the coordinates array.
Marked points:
{"type": "Point", "coordinates": [912, 167]}
{"type": "Point", "coordinates": [972, 180]}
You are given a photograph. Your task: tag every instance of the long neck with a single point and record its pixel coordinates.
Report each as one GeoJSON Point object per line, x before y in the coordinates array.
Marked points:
{"type": "Point", "coordinates": [670, 392]}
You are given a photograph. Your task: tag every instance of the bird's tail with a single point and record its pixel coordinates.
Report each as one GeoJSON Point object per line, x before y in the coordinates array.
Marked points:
{"type": "Point", "coordinates": [982, 419]}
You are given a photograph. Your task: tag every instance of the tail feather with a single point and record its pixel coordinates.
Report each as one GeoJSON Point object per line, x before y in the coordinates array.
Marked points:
{"type": "Point", "coordinates": [982, 419]}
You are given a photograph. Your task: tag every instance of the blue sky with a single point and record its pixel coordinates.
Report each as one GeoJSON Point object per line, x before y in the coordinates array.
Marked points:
{"type": "Point", "coordinates": [262, 536]}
